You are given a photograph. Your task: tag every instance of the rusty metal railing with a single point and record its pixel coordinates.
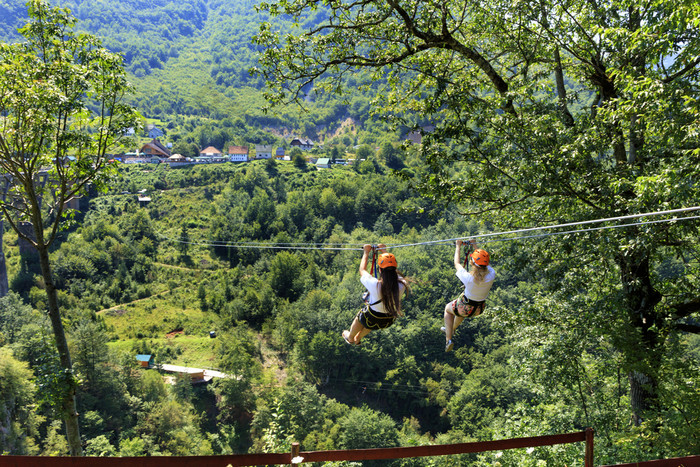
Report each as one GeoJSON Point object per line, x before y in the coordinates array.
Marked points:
{"type": "Point", "coordinates": [296, 457]}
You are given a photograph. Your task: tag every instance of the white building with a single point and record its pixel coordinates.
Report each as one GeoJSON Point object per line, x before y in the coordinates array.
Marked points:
{"type": "Point", "coordinates": [238, 153]}
{"type": "Point", "coordinates": [263, 151]}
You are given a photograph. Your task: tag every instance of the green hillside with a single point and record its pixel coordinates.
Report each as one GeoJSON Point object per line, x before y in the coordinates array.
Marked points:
{"type": "Point", "coordinates": [190, 65]}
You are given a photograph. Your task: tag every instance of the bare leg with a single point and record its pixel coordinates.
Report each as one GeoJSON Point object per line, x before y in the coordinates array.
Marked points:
{"type": "Point", "coordinates": [357, 331]}
{"type": "Point", "coordinates": [361, 334]}
{"type": "Point", "coordinates": [451, 324]}
{"type": "Point", "coordinates": [458, 321]}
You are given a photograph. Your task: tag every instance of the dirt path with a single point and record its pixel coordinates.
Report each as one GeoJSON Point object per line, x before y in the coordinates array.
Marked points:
{"type": "Point", "coordinates": [155, 295]}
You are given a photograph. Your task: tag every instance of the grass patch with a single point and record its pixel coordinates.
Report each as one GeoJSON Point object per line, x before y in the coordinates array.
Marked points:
{"type": "Point", "coordinates": [181, 349]}
{"type": "Point", "coordinates": [170, 326]}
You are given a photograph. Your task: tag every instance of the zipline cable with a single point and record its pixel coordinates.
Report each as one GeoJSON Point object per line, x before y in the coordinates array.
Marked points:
{"type": "Point", "coordinates": [489, 237]}
{"type": "Point", "coordinates": [271, 246]}
{"type": "Point", "coordinates": [566, 232]}
{"type": "Point", "coordinates": [570, 224]}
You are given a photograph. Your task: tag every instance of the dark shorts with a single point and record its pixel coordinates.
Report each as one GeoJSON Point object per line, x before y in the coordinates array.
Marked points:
{"type": "Point", "coordinates": [467, 308]}
{"type": "Point", "coordinates": [372, 319]}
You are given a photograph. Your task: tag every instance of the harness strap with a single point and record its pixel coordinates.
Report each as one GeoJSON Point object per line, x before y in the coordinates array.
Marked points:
{"type": "Point", "coordinates": [467, 252]}
{"type": "Point", "coordinates": [365, 297]}
{"type": "Point", "coordinates": [374, 261]}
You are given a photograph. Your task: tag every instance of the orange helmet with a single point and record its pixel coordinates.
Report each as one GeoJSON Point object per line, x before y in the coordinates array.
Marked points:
{"type": "Point", "coordinates": [387, 260]}
{"type": "Point", "coordinates": [481, 257]}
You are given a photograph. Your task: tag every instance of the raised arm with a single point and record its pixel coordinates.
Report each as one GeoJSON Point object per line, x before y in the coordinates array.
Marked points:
{"type": "Point", "coordinates": [365, 255]}
{"type": "Point", "coordinates": [458, 247]}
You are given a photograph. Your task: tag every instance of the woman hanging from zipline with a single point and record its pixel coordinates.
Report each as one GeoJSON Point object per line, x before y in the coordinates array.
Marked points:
{"type": "Point", "coordinates": [477, 284]}
{"type": "Point", "coordinates": [383, 305]}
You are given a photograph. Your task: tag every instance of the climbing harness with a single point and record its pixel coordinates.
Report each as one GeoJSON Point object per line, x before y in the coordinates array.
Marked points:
{"type": "Point", "coordinates": [467, 308]}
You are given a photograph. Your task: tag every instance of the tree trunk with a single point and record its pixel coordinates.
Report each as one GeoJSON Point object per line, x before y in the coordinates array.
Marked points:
{"type": "Point", "coordinates": [4, 283]}
{"type": "Point", "coordinates": [69, 410]}
{"type": "Point", "coordinates": [644, 341]}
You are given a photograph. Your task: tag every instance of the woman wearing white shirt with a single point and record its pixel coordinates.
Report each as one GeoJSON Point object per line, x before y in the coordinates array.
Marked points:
{"type": "Point", "coordinates": [384, 302]}
{"type": "Point", "coordinates": [477, 284]}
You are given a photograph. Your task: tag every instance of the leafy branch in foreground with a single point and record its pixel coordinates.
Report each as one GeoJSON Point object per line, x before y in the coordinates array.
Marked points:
{"type": "Point", "coordinates": [60, 110]}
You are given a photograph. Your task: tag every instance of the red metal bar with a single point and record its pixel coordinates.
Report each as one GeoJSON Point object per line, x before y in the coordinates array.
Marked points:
{"type": "Point", "coordinates": [691, 461]}
{"type": "Point", "coordinates": [164, 461]}
{"type": "Point", "coordinates": [311, 456]}
{"type": "Point", "coordinates": [589, 447]}
{"type": "Point", "coordinates": [441, 449]}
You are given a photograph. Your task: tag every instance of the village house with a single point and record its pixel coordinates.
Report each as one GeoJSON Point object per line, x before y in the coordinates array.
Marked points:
{"type": "Point", "coordinates": [211, 154]}
{"type": "Point", "coordinates": [177, 159]}
{"type": "Point", "coordinates": [143, 197]}
{"type": "Point", "coordinates": [303, 144]}
{"type": "Point", "coordinates": [155, 148]}
{"type": "Point", "coordinates": [279, 152]}
{"type": "Point", "coordinates": [416, 136]}
{"type": "Point", "coordinates": [238, 153]}
{"type": "Point", "coordinates": [263, 151]}
{"type": "Point", "coordinates": [153, 131]}
{"type": "Point", "coordinates": [211, 151]}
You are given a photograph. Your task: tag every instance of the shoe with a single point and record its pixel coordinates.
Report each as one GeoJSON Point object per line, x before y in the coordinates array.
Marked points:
{"type": "Point", "coordinates": [449, 346]}
{"type": "Point", "coordinates": [346, 335]}
{"type": "Point", "coordinates": [443, 329]}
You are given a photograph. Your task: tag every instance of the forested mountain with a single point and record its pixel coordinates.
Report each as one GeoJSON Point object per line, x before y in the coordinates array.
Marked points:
{"type": "Point", "coordinates": [190, 64]}
{"type": "Point", "coordinates": [157, 278]}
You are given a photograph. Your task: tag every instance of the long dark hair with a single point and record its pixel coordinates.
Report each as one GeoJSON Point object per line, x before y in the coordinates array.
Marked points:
{"type": "Point", "coordinates": [389, 288]}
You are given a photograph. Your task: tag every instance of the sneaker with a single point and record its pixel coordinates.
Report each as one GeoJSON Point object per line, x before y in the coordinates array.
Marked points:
{"type": "Point", "coordinates": [449, 346]}
{"type": "Point", "coordinates": [443, 329]}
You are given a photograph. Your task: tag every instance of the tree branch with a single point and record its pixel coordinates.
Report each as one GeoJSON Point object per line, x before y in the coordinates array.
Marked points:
{"type": "Point", "coordinates": [449, 42]}
{"type": "Point", "coordinates": [691, 328]}
{"type": "Point", "coordinates": [692, 66]}
{"type": "Point", "coordinates": [683, 310]}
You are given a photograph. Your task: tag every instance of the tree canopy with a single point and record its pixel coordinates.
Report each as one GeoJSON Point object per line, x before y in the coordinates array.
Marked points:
{"type": "Point", "coordinates": [544, 112]}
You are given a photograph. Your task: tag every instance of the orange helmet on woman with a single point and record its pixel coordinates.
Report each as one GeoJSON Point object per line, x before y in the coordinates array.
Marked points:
{"type": "Point", "coordinates": [387, 260]}
{"type": "Point", "coordinates": [481, 257]}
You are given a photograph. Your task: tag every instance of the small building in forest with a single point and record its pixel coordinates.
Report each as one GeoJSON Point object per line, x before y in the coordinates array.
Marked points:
{"type": "Point", "coordinates": [155, 148]}
{"type": "Point", "coordinates": [144, 360]}
{"type": "Point", "coordinates": [323, 162]}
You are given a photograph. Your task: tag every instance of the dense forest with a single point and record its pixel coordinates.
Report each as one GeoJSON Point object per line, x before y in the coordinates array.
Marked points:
{"type": "Point", "coordinates": [157, 278]}
{"type": "Point", "coordinates": [252, 268]}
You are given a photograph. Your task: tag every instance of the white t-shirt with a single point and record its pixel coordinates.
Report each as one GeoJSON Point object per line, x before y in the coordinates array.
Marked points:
{"type": "Point", "coordinates": [372, 285]}
{"type": "Point", "coordinates": [477, 291]}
